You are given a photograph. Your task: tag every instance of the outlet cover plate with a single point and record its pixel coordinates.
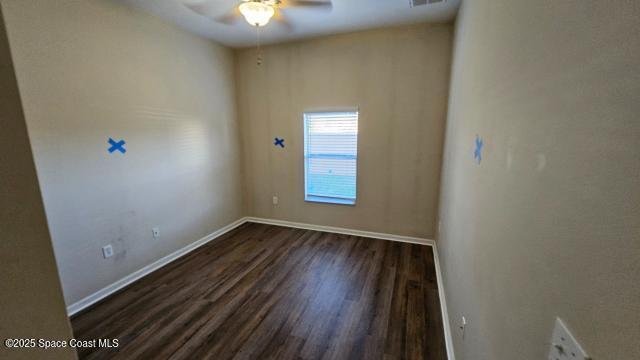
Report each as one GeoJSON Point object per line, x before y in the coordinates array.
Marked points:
{"type": "Point", "coordinates": [156, 232]}
{"type": "Point", "coordinates": [107, 251]}
{"type": "Point", "coordinates": [564, 346]}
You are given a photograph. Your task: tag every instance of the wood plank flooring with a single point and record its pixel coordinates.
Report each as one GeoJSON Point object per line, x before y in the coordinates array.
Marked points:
{"type": "Point", "coordinates": [271, 292]}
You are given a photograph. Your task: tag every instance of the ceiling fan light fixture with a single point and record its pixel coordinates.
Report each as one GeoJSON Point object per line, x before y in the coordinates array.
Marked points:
{"type": "Point", "coordinates": [256, 13]}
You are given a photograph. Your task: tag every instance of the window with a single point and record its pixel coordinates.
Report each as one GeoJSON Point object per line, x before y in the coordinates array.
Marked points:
{"type": "Point", "coordinates": [330, 156]}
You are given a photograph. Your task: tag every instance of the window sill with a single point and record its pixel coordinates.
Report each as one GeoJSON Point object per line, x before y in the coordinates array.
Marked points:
{"type": "Point", "coordinates": [329, 200]}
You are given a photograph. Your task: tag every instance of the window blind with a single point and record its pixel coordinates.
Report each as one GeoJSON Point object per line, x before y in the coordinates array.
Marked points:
{"type": "Point", "coordinates": [331, 154]}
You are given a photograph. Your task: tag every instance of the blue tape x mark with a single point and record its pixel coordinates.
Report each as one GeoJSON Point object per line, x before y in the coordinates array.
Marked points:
{"type": "Point", "coordinates": [279, 142]}
{"type": "Point", "coordinates": [478, 153]}
{"type": "Point", "coordinates": [117, 146]}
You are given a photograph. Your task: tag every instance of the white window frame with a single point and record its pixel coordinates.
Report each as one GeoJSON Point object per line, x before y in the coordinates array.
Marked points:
{"type": "Point", "coordinates": [319, 198]}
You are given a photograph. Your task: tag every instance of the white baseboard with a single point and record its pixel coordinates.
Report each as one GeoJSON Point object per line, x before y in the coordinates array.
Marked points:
{"type": "Point", "coordinates": [104, 292]}
{"type": "Point", "coordinates": [443, 306]}
{"type": "Point", "coordinates": [414, 240]}
{"type": "Point", "coordinates": [110, 289]}
{"type": "Point", "coordinates": [339, 230]}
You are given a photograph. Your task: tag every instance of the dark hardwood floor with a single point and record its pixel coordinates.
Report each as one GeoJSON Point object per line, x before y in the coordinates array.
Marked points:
{"type": "Point", "coordinates": [270, 292]}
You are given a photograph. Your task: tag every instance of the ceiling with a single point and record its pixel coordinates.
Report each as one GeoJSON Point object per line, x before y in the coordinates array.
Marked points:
{"type": "Point", "coordinates": [346, 16]}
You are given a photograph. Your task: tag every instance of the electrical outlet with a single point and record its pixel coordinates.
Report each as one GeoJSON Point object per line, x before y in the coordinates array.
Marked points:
{"type": "Point", "coordinates": [564, 346]}
{"type": "Point", "coordinates": [275, 200]}
{"type": "Point", "coordinates": [107, 251]}
{"type": "Point", "coordinates": [156, 232]}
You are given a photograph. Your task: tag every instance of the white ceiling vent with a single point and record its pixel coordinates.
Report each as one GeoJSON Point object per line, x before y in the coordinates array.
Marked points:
{"type": "Point", "coordinates": [424, 2]}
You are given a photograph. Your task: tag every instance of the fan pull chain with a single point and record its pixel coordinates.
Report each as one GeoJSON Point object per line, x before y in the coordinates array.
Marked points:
{"type": "Point", "coordinates": [259, 50]}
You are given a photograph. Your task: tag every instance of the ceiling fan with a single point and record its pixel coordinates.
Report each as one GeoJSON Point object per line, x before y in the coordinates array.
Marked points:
{"type": "Point", "coordinates": [256, 12]}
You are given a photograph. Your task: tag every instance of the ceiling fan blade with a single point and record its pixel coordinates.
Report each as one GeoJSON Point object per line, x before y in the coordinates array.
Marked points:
{"type": "Point", "coordinates": [229, 18]}
{"type": "Point", "coordinates": [308, 4]}
{"type": "Point", "coordinates": [208, 9]}
{"type": "Point", "coordinates": [202, 8]}
{"type": "Point", "coordinates": [283, 20]}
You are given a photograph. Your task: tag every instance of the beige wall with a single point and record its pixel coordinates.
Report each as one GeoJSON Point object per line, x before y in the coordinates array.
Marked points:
{"type": "Point", "coordinates": [399, 80]}
{"type": "Point", "coordinates": [31, 302]}
{"type": "Point", "coordinates": [90, 70]}
{"type": "Point", "coordinates": [548, 224]}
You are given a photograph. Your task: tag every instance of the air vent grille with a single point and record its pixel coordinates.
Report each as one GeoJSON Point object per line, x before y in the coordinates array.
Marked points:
{"type": "Point", "coordinates": [414, 3]}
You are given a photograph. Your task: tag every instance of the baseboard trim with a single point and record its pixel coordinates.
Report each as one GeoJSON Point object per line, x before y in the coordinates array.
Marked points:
{"type": "Point", "coordinates": [443, 306]}
{"type": "Point", "coordinates": [339, 230]}
{"type": "Point", "coordinates": [110, 289]}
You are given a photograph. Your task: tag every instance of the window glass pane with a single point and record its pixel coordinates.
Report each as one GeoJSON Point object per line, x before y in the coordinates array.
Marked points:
{"type": "Point", "coordinates": [331, 142]}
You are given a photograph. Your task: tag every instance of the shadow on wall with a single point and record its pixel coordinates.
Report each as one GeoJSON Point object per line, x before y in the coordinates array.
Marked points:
{"type": "Point", "coordinates": [31, 301]}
